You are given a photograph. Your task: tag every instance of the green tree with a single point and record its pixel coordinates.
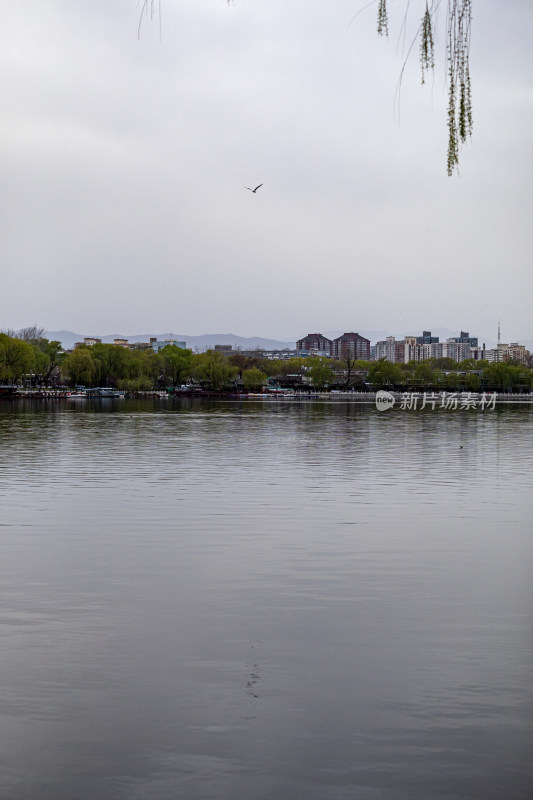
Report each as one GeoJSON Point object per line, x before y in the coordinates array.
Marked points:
{"type": "Point", "coordinates": [294, 366]}
{"type": "Point", "coordinates": [46, 358]}
{"type": "Point", "coordinates": [287, 371]}
{"type": "Point", "coordinates": [424, 376]}
{"type": "Point", "coordinates": [79, 366]}
{"type": "Point", "coordinates": [498, 376]}
{"type": "Point", "coordinates": [321, 373]}
{"type": "Point", "coordinates": [213, 369]}
{"type": "Point", "coordinates": [243, 362]}
{"type": "Point", "coordinates": [112, 363]}
{"type": "Point", "coordinates": [468, 364]}
{"type": "Point", "coordinates": [176, 364]}
{"type": "Point", "coordinates": [40, 365]}
{"type": "Point", "coordinates": [253, 379]}
{"type": "Point", "coordinates": [54, 350]}
{"type": "Point", "coordinates": [473, 382]}
{"type": "Point", "coordinates": [520, 377]}
{"type": "Point", "coordinates": [450, 381]}
{"type": "Point", "coordinates": [444, 363]}
{"type": "Point", "coordinates": [146, 365]}
{"type": "Point", "coordinates": [16, 358]}
{"type": "Point", "coordinates": [384, 374]}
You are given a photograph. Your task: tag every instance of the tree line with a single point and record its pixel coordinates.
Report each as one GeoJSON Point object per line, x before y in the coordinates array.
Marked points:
{"type": "Point", "coordinates": [28, 356]}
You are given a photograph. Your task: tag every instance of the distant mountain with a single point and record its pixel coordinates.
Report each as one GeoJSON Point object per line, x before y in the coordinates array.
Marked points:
{"type": "Point", "coordinates": [207, 340]}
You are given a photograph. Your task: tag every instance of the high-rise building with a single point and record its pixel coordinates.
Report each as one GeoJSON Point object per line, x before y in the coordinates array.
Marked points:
{"type": "Point", "coordinates": [315, 344]}
{"type": "Point", "coordinates": [465, 338]}
{"type": "Point", "coordinates": [426, 338]}
{"type": "Point", "coordinates": [386, 349]}
{"type": "Point", "coordinates": [458, 350]}
{"type": "Point", "coordinates": [351, 344]}
{"type": "Point", "coordinates": [517, 352]}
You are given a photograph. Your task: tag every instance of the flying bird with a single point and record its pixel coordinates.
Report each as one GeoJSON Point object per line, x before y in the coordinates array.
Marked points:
{"type": "Point", "coordinates": [253, 190]}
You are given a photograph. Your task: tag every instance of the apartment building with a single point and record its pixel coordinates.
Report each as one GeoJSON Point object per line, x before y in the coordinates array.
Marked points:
{"type": "Point", "coordinates": [457, 350]}
{"type": "Point", "coordinates": [509, 352]}
{"type": "Point", "coordinates": [386, 349]}
{"type": "Point", "coordinates": [517, 352]}
{"type": "Point", "coordinates": [427, 338]}
{"type": "Point", "coordinates": [351, 344]}
{"type": "Point", "coordinates": [315, 344]}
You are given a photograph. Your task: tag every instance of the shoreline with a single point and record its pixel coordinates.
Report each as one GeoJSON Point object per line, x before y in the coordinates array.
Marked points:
{"type": "Point", "coordinates": [299, 397]}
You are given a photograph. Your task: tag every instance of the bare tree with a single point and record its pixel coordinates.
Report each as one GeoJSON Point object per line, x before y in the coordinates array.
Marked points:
{"type": "Point", "coordinates": [32, 334]}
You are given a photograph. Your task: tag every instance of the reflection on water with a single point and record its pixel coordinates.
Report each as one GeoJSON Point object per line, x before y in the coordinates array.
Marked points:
{"type": "Point", "coordinates": [237, 600]}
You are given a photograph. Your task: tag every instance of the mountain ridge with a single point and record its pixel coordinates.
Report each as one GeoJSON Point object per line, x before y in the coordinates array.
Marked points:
{"type": "Point", "coordinates": [201, 342]}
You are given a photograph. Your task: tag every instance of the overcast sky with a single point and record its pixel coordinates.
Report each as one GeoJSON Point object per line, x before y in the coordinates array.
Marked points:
{"type": "Point", "coordinates": [124, 163]}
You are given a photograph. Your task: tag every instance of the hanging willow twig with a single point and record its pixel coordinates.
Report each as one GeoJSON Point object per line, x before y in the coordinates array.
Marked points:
{"type": "Point", "coordinates": [148, 9]}
{"type": "Point", "coordinates": [458, 26]}
{"type": "Point", "coordinates": [383, 18]}
{"type": "Point", "coordinates": [427, 48]}
{"type": "Point", "coordinates": [460, 120]}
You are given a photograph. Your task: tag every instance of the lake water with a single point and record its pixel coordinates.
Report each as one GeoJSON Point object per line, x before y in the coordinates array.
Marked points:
{"type": "Point", "coordinates": [303, 601]}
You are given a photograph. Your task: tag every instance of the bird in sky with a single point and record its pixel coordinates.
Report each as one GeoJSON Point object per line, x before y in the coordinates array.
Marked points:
{"type": "Point", "coordinates": [253, 190]}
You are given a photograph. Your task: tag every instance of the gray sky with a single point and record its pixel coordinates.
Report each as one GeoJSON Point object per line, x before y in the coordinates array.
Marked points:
{"type": "Point", "coordinates": [123, 164]}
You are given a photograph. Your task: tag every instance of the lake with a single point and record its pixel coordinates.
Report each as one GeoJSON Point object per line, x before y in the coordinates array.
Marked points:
{"type": "Point", "coordinates": [300, 601]}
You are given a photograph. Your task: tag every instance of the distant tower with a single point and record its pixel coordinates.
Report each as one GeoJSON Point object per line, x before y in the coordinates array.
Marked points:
{"type": "Point", "coordinates": [498, 352]}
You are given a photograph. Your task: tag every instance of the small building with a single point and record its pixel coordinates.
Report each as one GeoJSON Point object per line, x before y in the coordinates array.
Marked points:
{"type": "Point", "coordinates": [275, 355]}
{"type": "Point", "coordinates": [144, 345]}
{"type": "Point", "coordinates": [89, 341]}
{"type": "Point", "coordinates": [157, 345]}
{"type": "Point", "coordinates": [477, 353]}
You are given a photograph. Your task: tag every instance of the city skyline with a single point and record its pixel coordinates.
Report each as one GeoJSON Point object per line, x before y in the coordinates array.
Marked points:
{"type": "Point", "coordinates": [205, 341]}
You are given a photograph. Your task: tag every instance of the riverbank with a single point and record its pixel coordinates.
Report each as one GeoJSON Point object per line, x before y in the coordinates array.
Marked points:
{"type": "Point", "coordinates": [404, 400]}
